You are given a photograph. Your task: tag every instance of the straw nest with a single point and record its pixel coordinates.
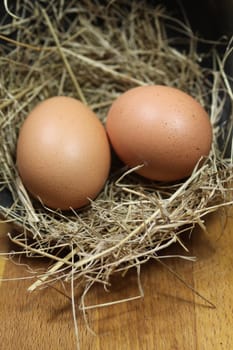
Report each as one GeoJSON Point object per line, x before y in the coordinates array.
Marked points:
{"type": "Point", "coordinates": [94, 51]}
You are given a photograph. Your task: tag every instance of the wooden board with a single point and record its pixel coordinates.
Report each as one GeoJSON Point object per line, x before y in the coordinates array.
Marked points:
{"type": "Point", "coordinates": [169, 317]}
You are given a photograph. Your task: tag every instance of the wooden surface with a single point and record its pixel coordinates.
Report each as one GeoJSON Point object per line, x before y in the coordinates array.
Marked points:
{"type": "Point", "coordinates": [169, 317]}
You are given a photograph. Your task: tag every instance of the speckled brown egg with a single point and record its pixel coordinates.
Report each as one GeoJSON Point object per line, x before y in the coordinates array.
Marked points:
{"type": "Point", "coordinates": [160, 127]}
{"type": "Point", "coordinates": [63, 153]}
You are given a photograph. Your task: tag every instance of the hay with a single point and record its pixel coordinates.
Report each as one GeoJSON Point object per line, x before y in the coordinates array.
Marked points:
{"type": "Point", "coordinates": [94, 51]}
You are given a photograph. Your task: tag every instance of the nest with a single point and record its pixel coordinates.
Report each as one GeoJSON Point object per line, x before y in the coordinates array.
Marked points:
{"type": "Point", "coordinates": [94, 51]}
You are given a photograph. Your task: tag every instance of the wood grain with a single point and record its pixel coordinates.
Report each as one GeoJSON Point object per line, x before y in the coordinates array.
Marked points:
{"type": "Point", "coordinates": [3, 246]}
{"type": "Point", "coordinates": [169, 317]}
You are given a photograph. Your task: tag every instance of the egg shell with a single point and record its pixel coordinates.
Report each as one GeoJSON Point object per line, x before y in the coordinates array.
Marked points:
{"type": "Point", "coordinates": [161, 127]}
{"type": "Point", "coordinates": [63, 154]}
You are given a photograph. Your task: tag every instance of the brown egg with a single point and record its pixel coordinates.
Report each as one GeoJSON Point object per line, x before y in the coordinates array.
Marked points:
{"type": "Point", "coordinates": [63, 154]}
{"type": "Point", "coordinates": [160, 127]}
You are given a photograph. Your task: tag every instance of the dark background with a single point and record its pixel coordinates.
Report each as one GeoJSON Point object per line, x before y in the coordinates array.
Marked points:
{"type": "Point", "coordinates": [210, 18]}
